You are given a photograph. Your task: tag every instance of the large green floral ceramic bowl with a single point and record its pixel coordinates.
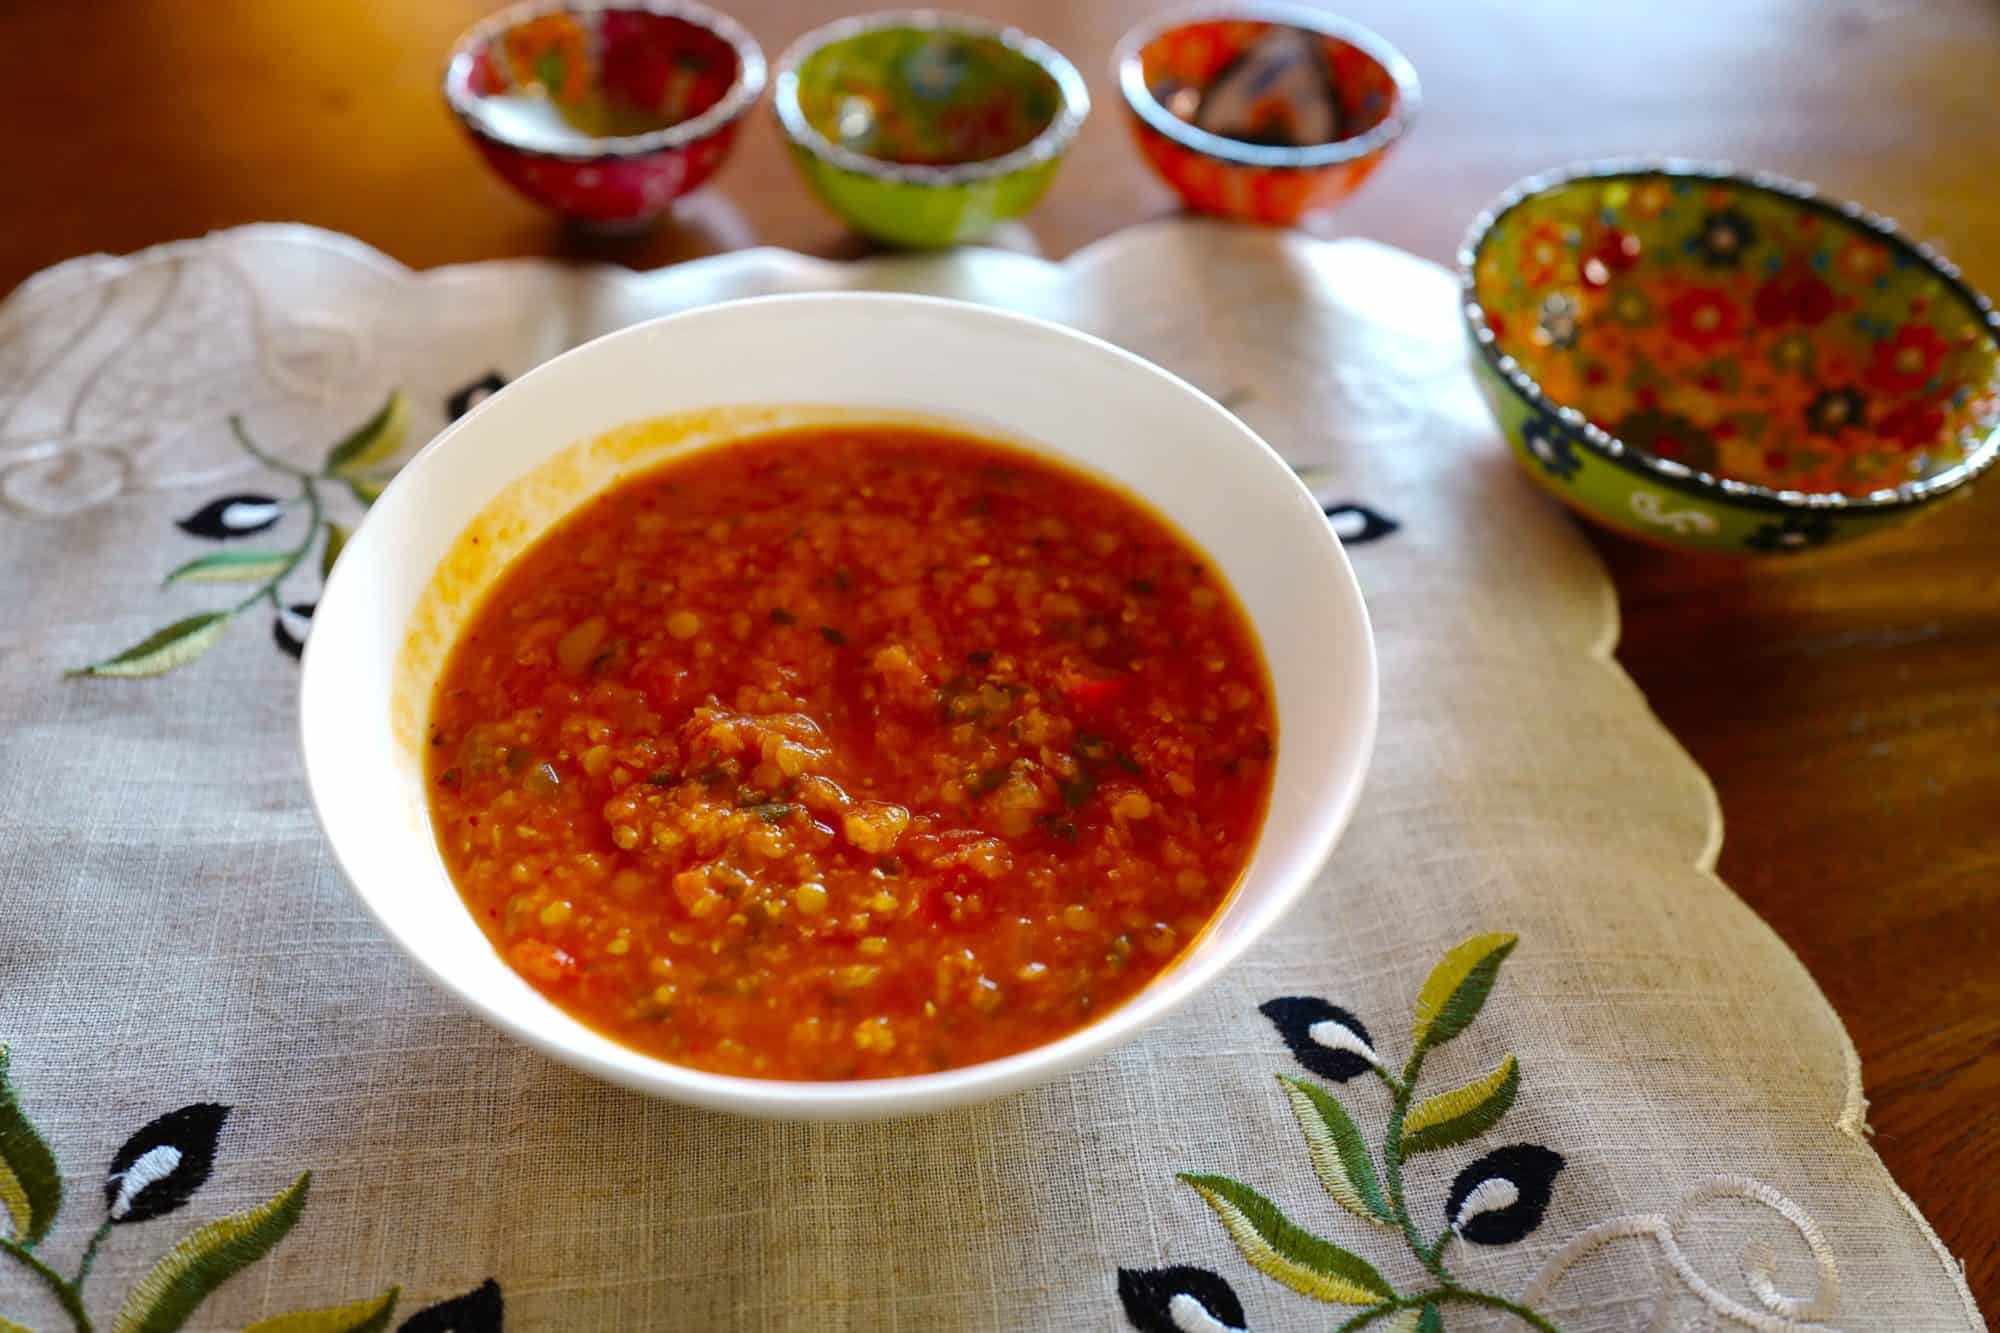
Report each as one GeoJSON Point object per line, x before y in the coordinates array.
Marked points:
{"type": "Point", "coordinates": [1727, 362]}
{"type": "Point", "coordinates": [926, 129]}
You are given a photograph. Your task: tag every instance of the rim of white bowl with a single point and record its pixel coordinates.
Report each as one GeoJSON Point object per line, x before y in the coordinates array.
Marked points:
{"type": "Point", "coordinates": [1049, 142]}
{"type": "Point", "coordinates": [742, 94]}
{"type": "Point", "coordinates": [1128, 67]}
{"type": "Point", "coordinates": [1188, 975]}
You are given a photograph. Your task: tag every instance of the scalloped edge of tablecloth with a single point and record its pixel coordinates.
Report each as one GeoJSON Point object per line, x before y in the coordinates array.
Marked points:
{"type": "Point", "coordinates": [1851, 1121]}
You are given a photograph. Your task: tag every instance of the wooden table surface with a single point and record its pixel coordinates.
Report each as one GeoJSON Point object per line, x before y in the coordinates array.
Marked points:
{"type": "Point", "coordinates": [1847, 705]}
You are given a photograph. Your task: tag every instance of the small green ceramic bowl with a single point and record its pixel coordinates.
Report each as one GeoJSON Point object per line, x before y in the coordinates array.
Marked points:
{"type": "Point", "coordinates": [1724, 361]}
{"type": "Point", "coordinates": [926, 129]}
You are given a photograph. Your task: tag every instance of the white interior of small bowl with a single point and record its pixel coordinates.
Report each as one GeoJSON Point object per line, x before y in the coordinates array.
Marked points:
{"type": "Point", "coordinates": [406, 583]}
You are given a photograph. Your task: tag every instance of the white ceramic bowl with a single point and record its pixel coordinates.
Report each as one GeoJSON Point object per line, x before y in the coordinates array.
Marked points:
{"type": "Point", "coordinates": [526, 456]}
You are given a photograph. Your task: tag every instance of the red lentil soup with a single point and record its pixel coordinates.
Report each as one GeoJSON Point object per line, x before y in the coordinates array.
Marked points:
{"type": "Point", "coordinates": [850, 753]}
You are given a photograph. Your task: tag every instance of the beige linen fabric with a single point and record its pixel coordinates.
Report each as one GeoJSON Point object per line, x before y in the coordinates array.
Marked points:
{"type": "Point", "coordinates": [175, 931]}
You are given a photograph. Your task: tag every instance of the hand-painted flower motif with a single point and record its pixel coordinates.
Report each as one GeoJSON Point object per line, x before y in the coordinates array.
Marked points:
{"type": "Point", "coordinates": [1704, 318]}
{"type": "Point", "coordinates": [1792, 294]}
{"type": "Point", "coordinates": [1631, 308]}
{"type": "Point", "coordinates": [1651, 198]}
{"type": "Point", "coordinates": [1863, 260]}
{"type": "Point", "coordinates": [1912, 424]}
{"type": "Point", "coordinates": [1835, 410]}
{"type": "Point", "coordinates": [1724, 237]}
{"type": "Point", "coordinates": [1669, 435]}
{"type": "Point", "coordinates": [552, 51]}
{"type": "Point", "coordinates": [1751, 331]}
{"type": "Point", "coordinates": [1543, 251]}
{"type": "Point", "coordinates": [1796, 532]}
{"type": "Point", "coordinates": [1552, 444]}
{"type": "Point", "coordinates": [1615, 252]}
{"type": "Point", "coordinates": [1905, 362]}
{"type": "Point", "coordinates": [1556, 321]}
{"type": "Point", "coordinates": [1792, 354]}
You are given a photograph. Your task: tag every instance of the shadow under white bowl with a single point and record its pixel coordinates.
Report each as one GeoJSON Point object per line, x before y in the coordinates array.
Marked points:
{"type": "Point", "coordinates": [364, 695]}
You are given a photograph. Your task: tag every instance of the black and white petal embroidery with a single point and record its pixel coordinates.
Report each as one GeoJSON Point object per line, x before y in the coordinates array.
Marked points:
{"type": "Point", "coordinates": [1496, 1200]}
{"type": "Point", "coordinates": [154, 1173]}
{"type": "Point", "coordinates": [164, 1163]}
{"type": "Point", "coordinates": [290, 625]}
{"type": "Point", "coordinates": [1355, 523]}
{"type": "Point", "coordinates": [1181, 1299]}
{"type": "Point", "coordinates": [473, 394]}
{"type": "Point", "coordinates": [1501, 1197]}
{"type": "Point", "coordinates": [478, 1311]}
{"type": "Point", "coordinates": [232, 516]}
{"type": "Point", "coordinates": [1325, 1038]}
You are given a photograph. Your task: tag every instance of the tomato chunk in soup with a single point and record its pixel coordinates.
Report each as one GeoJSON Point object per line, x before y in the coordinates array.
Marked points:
{"type": "Point", "coordinates": [850, 753]}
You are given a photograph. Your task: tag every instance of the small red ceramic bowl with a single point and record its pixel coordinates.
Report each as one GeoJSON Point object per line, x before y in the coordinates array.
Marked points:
{"type": "Point", "coordinates": [604, 113]}
{"type": "Point", "coordinates": [1265, 112]}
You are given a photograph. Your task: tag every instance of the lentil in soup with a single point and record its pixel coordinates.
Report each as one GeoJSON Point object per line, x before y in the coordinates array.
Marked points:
{"type": "Point", "coordinates": [850, 752]}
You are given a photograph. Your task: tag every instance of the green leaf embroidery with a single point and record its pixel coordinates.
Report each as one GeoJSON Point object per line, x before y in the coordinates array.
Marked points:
{"type": "Point", "coordinates": [1457, 987]}
{"type": "Point", "coordinates": [230, 567]}
{"type": "Point", "coordinates": [1425, 1320]}
{"type": "Point", "coordinates": [1294, 1256]}
{"type": "Point", "coordinates": [370, 1316]}
{"type": "Point", "coordinates": [1338, 1152]}
{"type": "Point", "coordinates": [9, 1326]}
{"type": "Point", "coordinates": [336, 542]}
{"type": "Point", "coordinates": [1463, 1113]}
{"type": "Point", "coordinates": [207, 1258]}
{"type": "Point", "coordinates": [30, 1185]}
{"type": "Point", "coordinates": [375, 440]}
{"type": "Point", "coordinates": [365, 489]}
{"type": "Point", "coordinates": [176, 645]}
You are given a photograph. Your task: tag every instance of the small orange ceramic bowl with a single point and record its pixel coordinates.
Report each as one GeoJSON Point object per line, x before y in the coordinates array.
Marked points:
{"type": "Point", "coordinates": [1263, 111]}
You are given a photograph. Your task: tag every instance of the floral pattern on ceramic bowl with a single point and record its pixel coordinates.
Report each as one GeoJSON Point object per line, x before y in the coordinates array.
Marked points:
{"type": "Point", "coordinates": [606, 114]}
{"type": "Point", "coordinates": [1264, 112]}
{"type": "Point", "coordinates": [1727, 361]}
{"type": "Point", "coordinates": [926, 129]}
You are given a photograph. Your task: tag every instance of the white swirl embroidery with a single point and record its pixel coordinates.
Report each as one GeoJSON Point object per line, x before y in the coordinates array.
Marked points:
{"type": "Point", "coordinates": [120, 374]}
{"type": "Point", "coordinates": [1647, 506]}
{"type": "Point", "coordinates": [1781, 1313]}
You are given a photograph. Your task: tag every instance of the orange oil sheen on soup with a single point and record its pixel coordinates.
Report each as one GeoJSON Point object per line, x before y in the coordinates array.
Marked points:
{"type": "Point", "coordinates": [850, 752]}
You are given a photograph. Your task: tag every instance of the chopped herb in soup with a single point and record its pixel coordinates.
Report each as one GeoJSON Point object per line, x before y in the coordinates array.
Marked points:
{"type": "Point", "coordinates": [850, 753]}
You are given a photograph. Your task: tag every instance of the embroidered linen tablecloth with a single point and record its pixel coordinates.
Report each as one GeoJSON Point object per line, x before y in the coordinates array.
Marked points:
{"type": "Point", "coordinates": [1520, 1059]}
